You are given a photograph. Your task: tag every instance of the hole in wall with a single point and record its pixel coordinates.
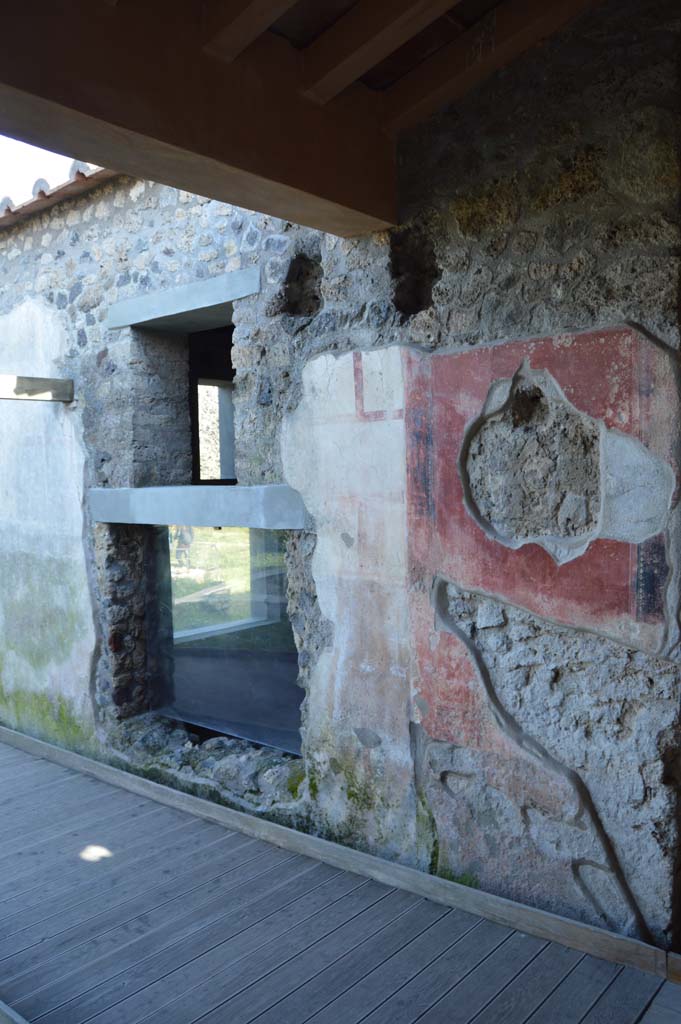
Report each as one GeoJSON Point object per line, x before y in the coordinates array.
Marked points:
{"type": "Point", "coordinates": [302, 287]}
{"type": "Point", "coordinates": [414, 270]}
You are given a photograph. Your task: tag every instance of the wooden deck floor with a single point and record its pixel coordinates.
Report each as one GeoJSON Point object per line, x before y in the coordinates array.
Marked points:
{"type": "Point", "coordinates": [116, 909]}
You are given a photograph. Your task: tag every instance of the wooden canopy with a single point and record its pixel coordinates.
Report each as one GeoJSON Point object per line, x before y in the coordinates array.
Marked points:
{"type": "Point", "coordinates": [290, 107]}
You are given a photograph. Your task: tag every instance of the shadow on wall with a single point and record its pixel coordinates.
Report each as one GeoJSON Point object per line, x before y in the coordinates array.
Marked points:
{"type": "Point", "coordinates": [414, 270]}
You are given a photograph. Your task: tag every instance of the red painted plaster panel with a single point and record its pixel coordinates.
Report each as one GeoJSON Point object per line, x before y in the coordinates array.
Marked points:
{"type": "Point", "coordinates": [613, 375]}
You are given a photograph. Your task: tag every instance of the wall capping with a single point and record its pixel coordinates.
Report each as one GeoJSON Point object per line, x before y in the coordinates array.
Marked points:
{"type": "Point", "coordinates": [264, 507]}
{"type": "Point", "coordinates": [595, 941]}
{"type": "Point", "coordinates": [198, 306]}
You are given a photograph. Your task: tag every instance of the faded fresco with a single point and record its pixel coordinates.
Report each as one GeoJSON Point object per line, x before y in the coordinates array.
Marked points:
{"type": "Point", "coordinates": [473, 510]}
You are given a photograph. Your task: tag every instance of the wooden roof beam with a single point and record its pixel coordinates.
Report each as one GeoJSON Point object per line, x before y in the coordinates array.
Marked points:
{"type": "Point", "coordinates": [362, 38]}
{"type": "Point", "coordinates": [125, 89]}
{"type": "Point", "coordinates": [503, 34]}
{"type": "Point", "coordinates": [232, 25]}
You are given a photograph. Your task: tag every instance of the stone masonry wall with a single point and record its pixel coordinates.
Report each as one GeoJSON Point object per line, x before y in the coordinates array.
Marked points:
{"type": "Point", "coordinates": [546, 200]}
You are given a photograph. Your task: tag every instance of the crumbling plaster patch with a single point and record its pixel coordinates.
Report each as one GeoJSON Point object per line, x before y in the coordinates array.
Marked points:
{"type": "Point", "coordinates": [573, 771]}
{"type": "Point", "coordinates": [536, 470]}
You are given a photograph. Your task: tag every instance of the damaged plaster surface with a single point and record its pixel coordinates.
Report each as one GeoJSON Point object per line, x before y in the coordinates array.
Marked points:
{"type": "Point", "coordinates": [46, 616]}
{"type": "Point", "coordinates": [563, 774]}
{"type": "Point", "coordinates": [535, 762]}
{"type": "Point", "coordinates": [532, 467]}
{"type": "Point", "coordinates": [536, 470]}
{"type": "Point", "coordinates": [619, 576]}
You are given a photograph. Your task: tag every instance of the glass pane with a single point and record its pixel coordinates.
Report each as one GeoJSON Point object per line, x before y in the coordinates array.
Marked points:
{"type": "Point", "coordinates": [235, 663]}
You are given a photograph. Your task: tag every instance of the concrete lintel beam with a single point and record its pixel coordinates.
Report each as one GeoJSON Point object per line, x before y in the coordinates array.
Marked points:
{"type": "Point", "coordinates": [264, 507]}
{"type": "Point", "coordinates": [198, 306]}
{"type": "Point", "coordinates": [35, 389]}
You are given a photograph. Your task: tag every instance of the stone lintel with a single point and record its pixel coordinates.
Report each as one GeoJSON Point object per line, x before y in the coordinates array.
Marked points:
{"type": "Point", "coordinates": [198, 306]}
{"type": "Point", "coordinates": [264, 507]}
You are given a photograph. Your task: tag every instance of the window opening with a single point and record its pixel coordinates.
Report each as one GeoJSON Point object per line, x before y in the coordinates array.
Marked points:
{"type": "Point", "coordinates": [211, 377]}
{"type": "Point", "coordinates": [234, 659]}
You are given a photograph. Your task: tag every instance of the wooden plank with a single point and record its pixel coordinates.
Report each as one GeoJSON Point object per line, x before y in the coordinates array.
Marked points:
{"type": "Point", "coordinates": [298, 970]}
{"type": "Point", "coordinates": [132, 896]}
{"type": "Point", "coordinates": [575, 996]}
{"type": "Point", "coordinates": [124, 883]}
{"type": "Point", "coordinates": [360, 39]}
{"type": "Point", "coordinates": [625, 1000]}
{"type": "Point", "coordinates": [36, 389]}
{"type": "Point", "coordinates": [75, 793]}
{"type": "Point", "coordinates": [509, 29]}
{"type": "Point", "coordinates": [384, 981]}
{"type": "Point", "coordinates": [10, 755]}
{"type": "Point", "coordinates": [15, 782]}
{"type": "Point", "coordinates": [152, 909]}
{"type": "Point", "coordinates": [155, 981]}
{"type": "Point", "coordinates": [213, 991]}
{"type": "Point", "coordinates": [484, 982]}
{"type": "Point", "coordinates": [353, 966]}
{"type": "Point", "coordinates": [155, 829]}
{"type": "Point", "coordinates": [137, 933]}
{"type": "Point", "coordinates": [47, 853]}
{"type": "Point", "coordinates": [10, 1016]}
{"type": "Point", "coordinates": [596, 941]}
{"type": "Point", "coordinates": [15, 760]}
{"type": "Point", "coordinates": [674, 967]}
{"type": "Point", "coordinates": [37, 889]}
{"type": "Point", "coordinates": [30, 777]}
{"type": "Point", "coordinates": [415, 998]}
{"type": "Point", "coordinates": [92, 814]}
{"type": "Point", "coordinates": [669, 997]}
{"type": "Point", "coordinates": [238, 132]}
{"type": "Point", "coordinates": [234, 24]}
{"type": "Point", "coordinates": [660, 1015]}
{"type": "Point", "coordinates": [91, 994]}
{"type": "Point", "coordinates": [531, 986]}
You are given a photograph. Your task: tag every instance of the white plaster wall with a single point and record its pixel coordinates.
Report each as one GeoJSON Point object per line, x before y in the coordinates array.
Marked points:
{"type": "Point", "coordinates": [344, 450]}
{"type": "Point", "coordinates": [47, 635]}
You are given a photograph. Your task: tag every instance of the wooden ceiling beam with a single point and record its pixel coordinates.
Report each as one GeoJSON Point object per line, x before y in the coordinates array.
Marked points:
{"type": "Point", "coordinates": [507, 31]}
{"type": "Point", "coordinates": [232, 25]}
{"type": "Point", "coordinates": [362, 38]}
{"type": "Point", "coordinates": [125, 89]}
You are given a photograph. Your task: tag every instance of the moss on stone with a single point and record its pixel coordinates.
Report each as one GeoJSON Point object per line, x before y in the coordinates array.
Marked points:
{"type": "Point", "coordinates": [358, 791]}
{"type": "Point", "coordinates": [45, 716]}
{"type": "Point", "coordinates": [296, 777]}
{"type": "Point", "coordinates": [312, 783]}
{"type": "Point", "coordinates": [466, 878]}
